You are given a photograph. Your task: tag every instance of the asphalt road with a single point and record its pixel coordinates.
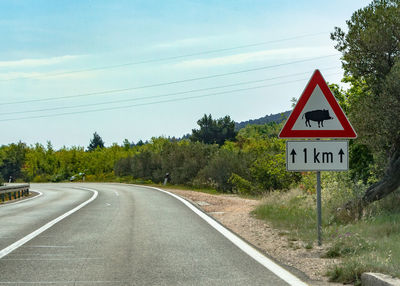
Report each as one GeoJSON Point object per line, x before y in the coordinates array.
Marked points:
{"type": "Point", "coordinates": [127, 235]}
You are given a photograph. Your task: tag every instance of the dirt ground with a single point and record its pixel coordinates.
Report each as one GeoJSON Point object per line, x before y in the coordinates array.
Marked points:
{"type": "Point", "coordinates": [235, 213]}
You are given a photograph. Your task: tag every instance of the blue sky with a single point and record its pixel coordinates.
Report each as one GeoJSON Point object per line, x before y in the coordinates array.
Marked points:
{"type": "Point", "coordinates": [108, 64]}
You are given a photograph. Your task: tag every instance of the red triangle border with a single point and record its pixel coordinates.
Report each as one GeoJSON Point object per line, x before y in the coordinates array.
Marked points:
{"type": "Point", "coordinates": [317, 79]}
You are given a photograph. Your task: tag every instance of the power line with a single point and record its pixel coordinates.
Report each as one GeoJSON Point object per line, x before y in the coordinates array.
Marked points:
{"type": "Point", "coordinates": [158, 96]}
{"type": "Point", "coordinates": [152, 103]}
{"type": "Point", "coordinates": [166, 58]}
{"type": "Point", "coordinates": [166, 83]}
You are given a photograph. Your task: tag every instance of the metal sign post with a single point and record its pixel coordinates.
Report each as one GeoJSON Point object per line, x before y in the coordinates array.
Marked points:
{"type": "Point", "coordinates": [317, 114]}
{"type": "Point", "coordinates": [319, 211]}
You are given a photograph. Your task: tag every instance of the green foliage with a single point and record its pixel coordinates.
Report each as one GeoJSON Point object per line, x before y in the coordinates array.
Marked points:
{"type": "Point", "coordinates": [348, 272]}
{"type": "Point", "coordinates": [371, 60]}
{"type": "Point", "coordinates": [184, 160]}
{"type": "Point", "coordinates": [251, 165]}
{"type": "Point", "coordinates": [12, 158]}
{"type": "Point", "coordinates": [214, 131]}
{"type": "Point", "coordinates": [241, 185]}
{"type": "Point", "coordinates": [369, 244]}
{"type": "Point", "coordinates": [96, 142]}
{"type": "Point", "coordinates": [341, 96]}
{"type": "Point", "coordinates": [221, 167]}
{"type": "Point", "coordinates": [266, 131]}
{"type": "Point", "coordinates": [269, 172]}
{"type": "Point", "coordinates": [293, 211]}
{"type": "Point", "coordinates": [308, 182]}
{"type": "Point", "coordinates": [123, 167]}
{"type": "Point", "coordinates": [370, 48]}
{"type": "Point", "coordinates": [347, 244]}
{"type": "Point", "coordinates": [361, 159]}
{"type": "Point", "coordinates": [127, 145]}
{"type": "Point", "coordinates": [361, 162]}
{"type": "Point", "coordinates": [147, 166]}
{"type": "Point", "coordinates": [267, 165]}
{"type": "Point", "coordinates": [337, 189]}
{"type": "Point", "coordinates": [268, 119]}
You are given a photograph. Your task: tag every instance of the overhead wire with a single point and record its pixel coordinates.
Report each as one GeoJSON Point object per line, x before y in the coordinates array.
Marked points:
{"type": "Point", "coordinates": [157, 96]}
{"type": "Point", "coordinates": [150, 103]}
{"type": "Point", "coordinates": [166, 83]}
{"type": "Point", "coordinates": [54, 74]}
{"type": "Point", "coordinates": [113, 91]}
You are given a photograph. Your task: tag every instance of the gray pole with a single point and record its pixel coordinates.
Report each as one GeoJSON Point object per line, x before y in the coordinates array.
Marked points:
{"type": "Point", "coordinates": [319, 218]}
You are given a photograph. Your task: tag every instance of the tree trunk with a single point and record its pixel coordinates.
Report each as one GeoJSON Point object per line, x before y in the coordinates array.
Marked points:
{"type": "Point", "coordinates": [389, 183]}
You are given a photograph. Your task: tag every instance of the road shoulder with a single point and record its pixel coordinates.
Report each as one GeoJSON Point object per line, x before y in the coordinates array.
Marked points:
{"type": "Point", "coordinates": [235, 213]}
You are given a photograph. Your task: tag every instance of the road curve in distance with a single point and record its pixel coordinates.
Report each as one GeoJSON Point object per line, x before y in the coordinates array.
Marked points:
{"type": "Point", "coordinates": [129, 235]}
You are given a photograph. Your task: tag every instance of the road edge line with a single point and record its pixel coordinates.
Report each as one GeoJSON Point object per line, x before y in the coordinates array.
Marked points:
{"type": "Point", "coordinates": [48, 225]}
{"type": "Point", "coordinates": [243, 245]}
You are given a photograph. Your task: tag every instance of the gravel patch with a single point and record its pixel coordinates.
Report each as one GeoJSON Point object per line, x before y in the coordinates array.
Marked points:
{"type": "Point", "coordinates": [235, 213]}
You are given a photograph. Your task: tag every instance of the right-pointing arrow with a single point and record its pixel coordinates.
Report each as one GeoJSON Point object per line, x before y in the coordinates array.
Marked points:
{"type": "Point", "coordinates": [341, 153]}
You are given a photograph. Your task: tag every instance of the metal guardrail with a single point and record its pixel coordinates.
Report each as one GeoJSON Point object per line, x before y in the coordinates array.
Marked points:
{"type": "Point", "coordinates": [16, 191]}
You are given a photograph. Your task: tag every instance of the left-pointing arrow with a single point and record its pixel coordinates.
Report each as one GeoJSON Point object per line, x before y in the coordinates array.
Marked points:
{"type": "Point", "coordinates": [293, 153]}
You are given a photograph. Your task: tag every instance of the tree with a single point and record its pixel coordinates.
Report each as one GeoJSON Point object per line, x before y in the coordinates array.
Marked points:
{"type": "Point", "coordinates": [371, 60]}
{"type": "Point", "coordinates": [361, 159]}
{"type": "Point", "coordinates": [12, 158]}
{"type": "Point", "coordinates": [126, 144]}
{"type": "Point", "coordinates": [96, 142]}
{"type": "Point", "coordinates": [214, 131]}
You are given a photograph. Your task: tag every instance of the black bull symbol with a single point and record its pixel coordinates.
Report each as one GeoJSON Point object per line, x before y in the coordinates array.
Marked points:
{"type": "Point", "coordinates": [317, 115]}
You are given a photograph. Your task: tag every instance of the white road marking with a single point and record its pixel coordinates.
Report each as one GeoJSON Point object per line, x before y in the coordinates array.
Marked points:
{"type": "Point", "coordinates": [35, 233]}
{"type": "Point", "coordinates": [116, 193]}
{"type": "Point", "coordinates": [48, 246]}
{"type": "Point", "coordinates": [51, 259]}
{"type": "Point", "coordinates": [24, 200]}
{"type": "Point", "coordinates": [251, 251]}
{"type": "Point", "coordinates": [66, 282]}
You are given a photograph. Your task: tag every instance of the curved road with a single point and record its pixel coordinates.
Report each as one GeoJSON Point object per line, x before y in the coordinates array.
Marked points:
{"type": "Point", "coordinates": [128, 235]}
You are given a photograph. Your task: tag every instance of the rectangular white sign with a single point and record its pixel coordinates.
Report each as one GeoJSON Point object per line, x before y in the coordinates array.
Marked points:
{"type": "Point", "coordinates": [310, 155]}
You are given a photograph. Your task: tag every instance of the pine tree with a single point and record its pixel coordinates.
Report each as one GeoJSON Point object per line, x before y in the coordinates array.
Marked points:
{"type": "Point", "coordinates": [96, 142]}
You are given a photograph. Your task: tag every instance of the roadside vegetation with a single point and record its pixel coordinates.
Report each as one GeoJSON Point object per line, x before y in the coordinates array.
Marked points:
{"type": "Point", "coordinates": [369, 244]}
{"type": "Point", "coordinates": [361, 207]}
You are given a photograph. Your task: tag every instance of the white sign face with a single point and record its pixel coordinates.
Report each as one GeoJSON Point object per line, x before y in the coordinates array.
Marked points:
{"type": "Point", "coordinates": [317, 155]}
{"type": "Point", "coordinates": [317, 114]}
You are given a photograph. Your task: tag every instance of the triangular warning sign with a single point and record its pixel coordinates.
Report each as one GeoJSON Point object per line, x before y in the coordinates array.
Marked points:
{"type": "Point", "coordinates": [317, 114]}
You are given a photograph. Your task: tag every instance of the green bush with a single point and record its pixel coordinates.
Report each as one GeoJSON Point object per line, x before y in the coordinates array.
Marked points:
{"type": "Point", "coordinates": [123, 167]}
{"type": "Point", "coordinates": [241, 185]}
{"type": "Point", "coordinates": [184, 160]}
{"type": "Point", "coordinates": [221, 167]}
{"type": "Point", "coordinates": [41, 179]}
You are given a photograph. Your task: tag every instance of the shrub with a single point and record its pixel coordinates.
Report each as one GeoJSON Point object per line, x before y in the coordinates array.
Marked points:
{"type": "Point", "coordinates": [240, 185]}
{"type": "Point", "coordinates": [184, 160]}
{"type": "Point", "coordinates": [221, 167]}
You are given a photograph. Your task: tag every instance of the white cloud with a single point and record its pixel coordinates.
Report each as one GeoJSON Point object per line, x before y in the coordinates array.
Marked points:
{"type": "Point", "coordinates": [57, 75]}
{"type": "Point", "coordinates": [188, 42]}
{"type": "Point", "coordinates": [24, 63]}
{"type": "Point", "coordinates": [14, 75]}
{"type": "Point", "coordinates": [257, 57]}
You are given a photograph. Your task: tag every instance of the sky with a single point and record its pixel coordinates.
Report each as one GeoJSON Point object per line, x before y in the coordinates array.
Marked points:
{"type": "Point", "coordinates": [141, 69]}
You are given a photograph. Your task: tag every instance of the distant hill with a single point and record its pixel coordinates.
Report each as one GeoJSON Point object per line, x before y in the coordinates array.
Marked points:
{"type": "Point", "coordinates": [279, 117]}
